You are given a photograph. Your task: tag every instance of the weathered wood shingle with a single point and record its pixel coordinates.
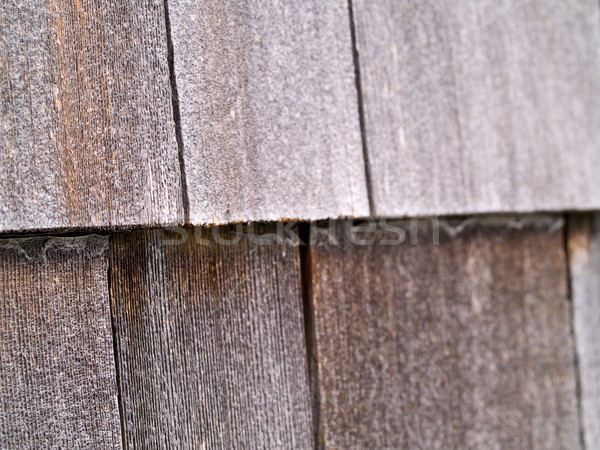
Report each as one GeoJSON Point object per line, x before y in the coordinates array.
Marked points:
{"type": "Point", "coordinates": [210, 342]}
{"type": "Point", "coordinates": [480, 106]}
{"type": "Point", "coordinates": [269, 111]}
{"type": "Point", "coordinates": [58, 385]}
{"type": "Point", "coordinates": [87, 135]}
{"type": "Point", "coordinates": [465, 344]}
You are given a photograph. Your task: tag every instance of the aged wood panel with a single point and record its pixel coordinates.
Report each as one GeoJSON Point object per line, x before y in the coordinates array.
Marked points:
{"type": "Point", "coordinates": [465, 344]}
{"type": "Point", "coordinates": [584, 258]}
{"type": "Point", "coordinates": [87, 135]}
{"type": "Point", "coordinates": [269, 112]}
{"type": "Point", "coordinates": [210, 342]}
{"type": "Point", "coordinates": [480, 106]}
{"type": "Point", "coordinates": [57, 366]}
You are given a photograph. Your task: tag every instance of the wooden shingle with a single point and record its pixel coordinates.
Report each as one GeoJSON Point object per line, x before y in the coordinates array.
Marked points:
{"type": "Point", "coordinates": [463, 343]}
{"type": "Point", "coordinates": [58, 387]}
{"type": "Point", "coordinates": [268, 108]}
{"type": "Point", "coordinates": [210, 341]}
{"type": "Point", "coordinates": [480, 106]}
{"type": "Point", "coordinates": [87, 137]}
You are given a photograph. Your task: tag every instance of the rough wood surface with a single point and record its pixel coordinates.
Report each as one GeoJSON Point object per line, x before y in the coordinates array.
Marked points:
{"type": "Point", "coordinates": [87, 135]}
{"type": "Point", "coordinates": [480, 106]}
{"type": "Point", "coordinates": [465, 344]}
{"type": "Point", "coordinates": [57, 369]}
{"type": "Point", "coordinates": [269, 111]}
{"type": "Point", "coordinates": [210, 342]}
{"type": "Point", "coordinates": [584, 258]}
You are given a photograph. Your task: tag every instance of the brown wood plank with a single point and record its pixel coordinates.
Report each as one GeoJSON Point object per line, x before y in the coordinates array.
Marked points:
{"type": "Point", "coordinates": [480, 106]}
{"type": "Point", "coordinates": [57, 369]}
{"type": "Point", "coordinates": [465, 344]}
{"type": "Point", "coordinates": [269, 111]}
{"type": "Point", "coordinates": [211, 343]}
{"type": "Point", "coordinates": [87, 134]}
{"type": "Point", "coordinates": [584, 258]}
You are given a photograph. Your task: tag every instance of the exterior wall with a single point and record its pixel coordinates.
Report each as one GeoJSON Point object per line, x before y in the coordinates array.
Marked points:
{"type": "Point", "coordinates": [339, 223]}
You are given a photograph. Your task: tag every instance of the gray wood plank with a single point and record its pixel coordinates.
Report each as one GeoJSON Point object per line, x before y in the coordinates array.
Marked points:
{"type": "Point", "coordinates": [480, 106]}
{"type": "Point", "coordinates": [210, 342]}
{"type": "Point", "coordinates": [465, 344]}
{"type": "Point", "coordinates": [87, 135]}
{"type": "Point", "coordinates": [584, 258]}
{"type": "Point", "coordinates": [57, 369]}
{"type": "Point", "coordinates": [269, 111]}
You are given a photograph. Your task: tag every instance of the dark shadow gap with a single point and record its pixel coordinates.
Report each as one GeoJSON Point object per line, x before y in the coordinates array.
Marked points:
{"type": "Point", "coordinates": [361, 112]}
{"type": "Point", "coordinates": [115, 340]}
{"type": "Point", "coordinates": [309, 330]}
{"type": "Point", "coordinates": [568, 223]}
{"type": "Point", "coordinates": [177, 117]}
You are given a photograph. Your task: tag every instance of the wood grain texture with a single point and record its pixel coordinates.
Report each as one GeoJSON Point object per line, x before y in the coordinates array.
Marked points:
{"type": "Point", "coordinates": [269, 111]}
{"type": "Point", "coordinates": [465, 344]}
{"type": "Point", "coordinates": [480, 106]}
{"type": "Point", "coordinates": [584, 258]}
{"type": "Point", "coordinates": [57, 369]}
{"type": "Point", "coordinates": [210, 342]}
{"type": "Point", "coordinates": [87, 136]}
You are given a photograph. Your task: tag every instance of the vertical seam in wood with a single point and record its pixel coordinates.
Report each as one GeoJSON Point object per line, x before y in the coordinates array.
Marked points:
{"type": "Point", "coordinates": [309, 331]}
{"type": "Point", "coordinates": [566, 231]}
{"type": "Point", "coordinates": [177, 116]}
{"type": "Point", "coordinates": [361, 112]}
{"type": "Point", "coordinates": [116, 345]}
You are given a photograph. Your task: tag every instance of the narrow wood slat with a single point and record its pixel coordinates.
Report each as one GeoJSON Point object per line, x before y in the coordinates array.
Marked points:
{"type": "Point", "coordinates": [87, 135]}
{"type": "Point", "coordinates": [210, 342]}
{"type": "Point", "coordinates": [57, 370]}
{"type": "Point", "coordinates": [269, 110]}
{"type": "Point", "coordinates": [465, 344]}
{"type": "Point", "coordinates": [584, 258]}
{"type": "Point", "coordinates": [480, 106]}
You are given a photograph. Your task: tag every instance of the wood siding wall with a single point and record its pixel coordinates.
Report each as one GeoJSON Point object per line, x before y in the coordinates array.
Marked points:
{"type": "Point", "coordinates": [193, 135]}
{"type": "Point", "coordinates": [171, 112]}
{"type": "Point", "coordinates": [405, 334]}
